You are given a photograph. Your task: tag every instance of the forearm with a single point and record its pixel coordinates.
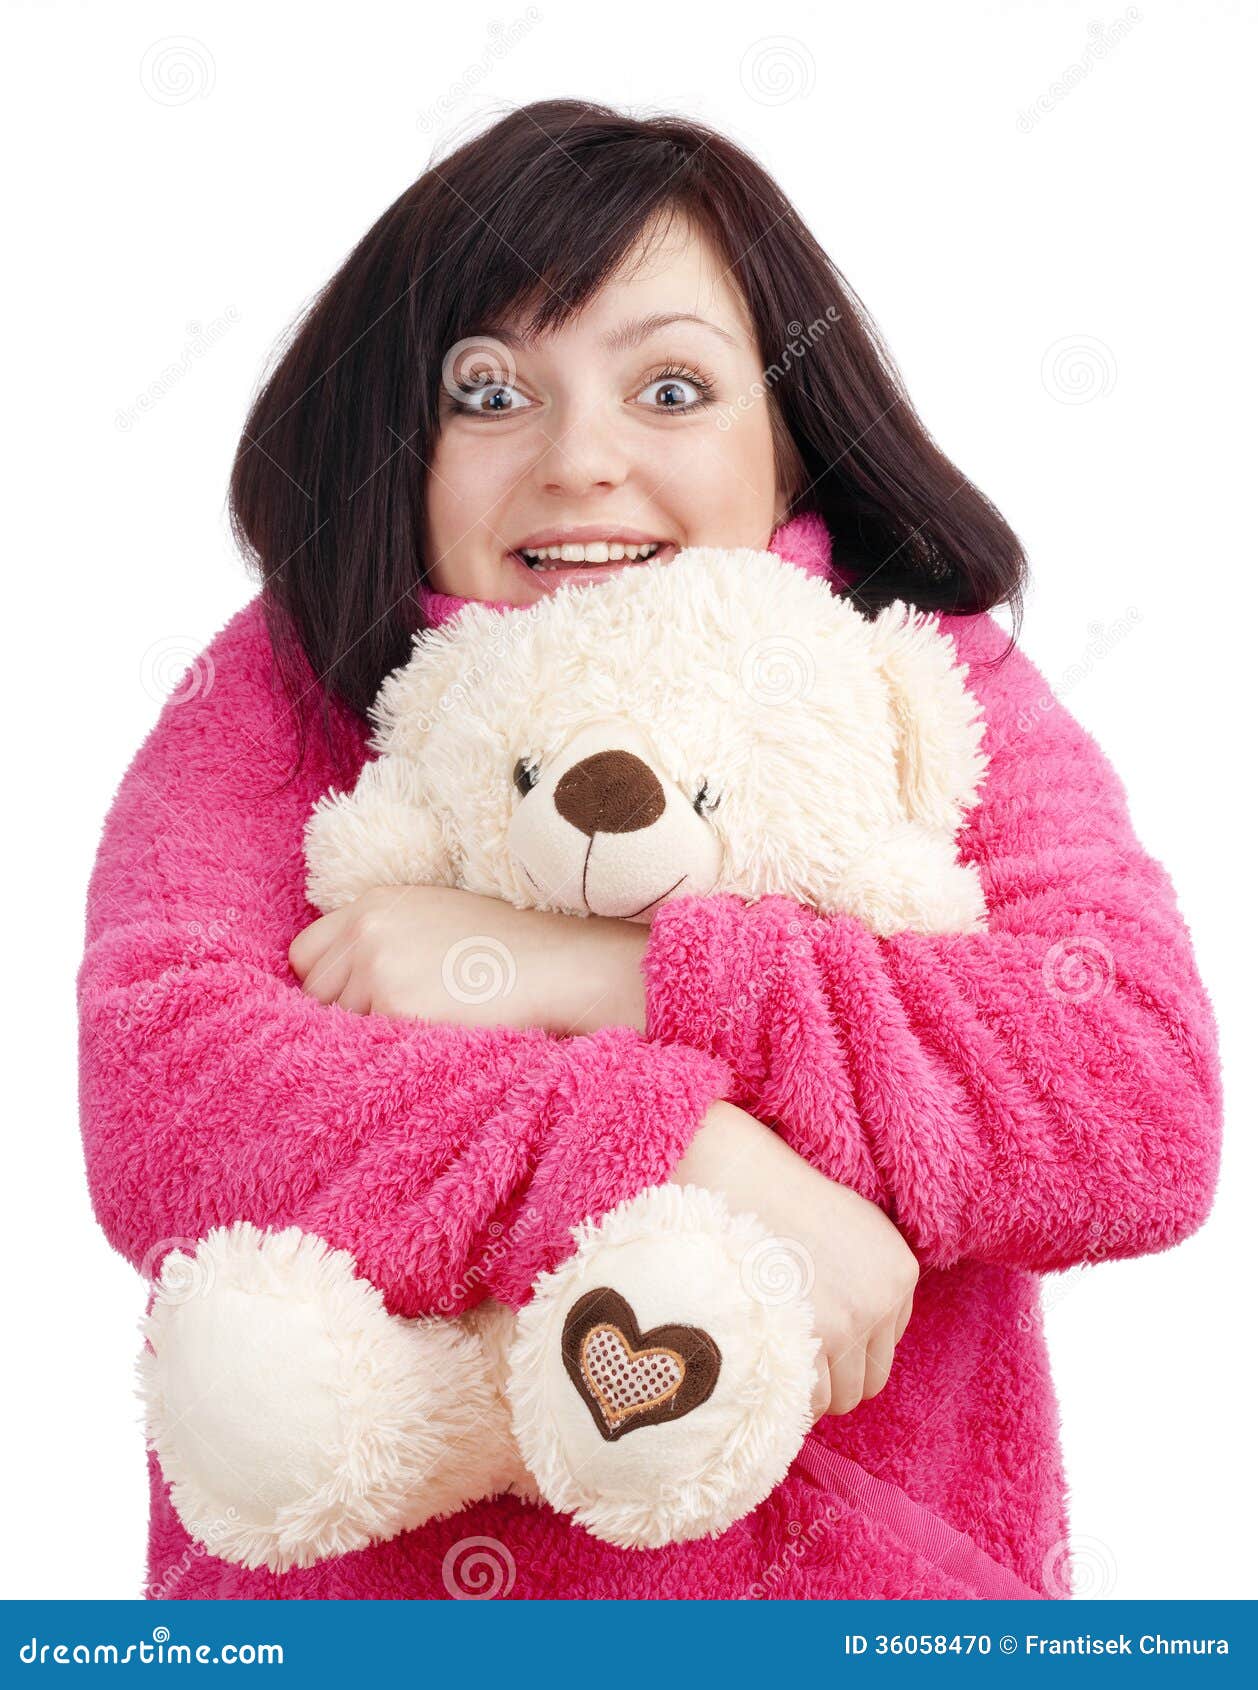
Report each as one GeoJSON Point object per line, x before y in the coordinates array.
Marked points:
{"type": "Point", "coordinates": [597, 980]}
{"type": "Point", "coordinates": [990, 1112]}
{"type": "Point", "coordinates": [738, 1156]}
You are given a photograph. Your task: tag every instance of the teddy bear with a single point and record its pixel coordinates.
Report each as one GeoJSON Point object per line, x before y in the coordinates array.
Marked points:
{"type": "Point", "coordinates": [723, 722]}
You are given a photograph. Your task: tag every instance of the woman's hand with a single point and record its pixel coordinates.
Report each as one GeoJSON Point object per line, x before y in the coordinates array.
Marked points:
{"type": "Point", "coordinates": [437, 953]}
{"type": "Point", "coordinates": [863, 1273]}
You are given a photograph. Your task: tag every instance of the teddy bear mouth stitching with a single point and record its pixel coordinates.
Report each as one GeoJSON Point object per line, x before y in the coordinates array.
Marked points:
{"type": "Point", "coordinates": [533, 881]}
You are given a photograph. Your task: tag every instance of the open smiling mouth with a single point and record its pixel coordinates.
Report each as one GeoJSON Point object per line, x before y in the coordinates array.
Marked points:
{"type": "Point", "coordinates": [598, 557]}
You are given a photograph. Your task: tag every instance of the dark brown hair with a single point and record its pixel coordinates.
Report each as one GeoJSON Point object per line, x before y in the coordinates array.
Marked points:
{"type": "Point", "coordinates": [529, 218]}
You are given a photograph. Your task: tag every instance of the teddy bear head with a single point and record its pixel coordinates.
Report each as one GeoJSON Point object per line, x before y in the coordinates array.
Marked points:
{"type": "Point", "coordinates": [720, 723]}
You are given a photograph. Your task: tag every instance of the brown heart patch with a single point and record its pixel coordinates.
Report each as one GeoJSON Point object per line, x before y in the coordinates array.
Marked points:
{"type": "Point", "coordinates": [629, 1378]}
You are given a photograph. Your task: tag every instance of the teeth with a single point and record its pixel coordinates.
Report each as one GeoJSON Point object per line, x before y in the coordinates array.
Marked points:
{"type": "Point", "coordinates": [598, 551]}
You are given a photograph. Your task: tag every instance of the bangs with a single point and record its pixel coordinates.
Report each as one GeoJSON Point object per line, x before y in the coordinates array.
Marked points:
{"type": "Point", "coordinates": [550, 239]}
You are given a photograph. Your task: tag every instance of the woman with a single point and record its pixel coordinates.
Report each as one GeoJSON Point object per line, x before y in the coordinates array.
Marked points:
{"type": "Point", "coordinates": [584, 329]}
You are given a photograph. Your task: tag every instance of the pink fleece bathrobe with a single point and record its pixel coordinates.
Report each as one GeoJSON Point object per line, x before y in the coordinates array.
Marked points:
{"type": "Point", "coordinates": [1019, 1101]}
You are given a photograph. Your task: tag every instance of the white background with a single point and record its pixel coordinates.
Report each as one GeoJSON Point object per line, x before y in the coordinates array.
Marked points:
{"type": "Point", "coordinates": [1059, 261]}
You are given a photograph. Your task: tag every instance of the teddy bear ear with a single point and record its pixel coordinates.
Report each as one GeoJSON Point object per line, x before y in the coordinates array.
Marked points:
{"type": "Point", "coordinates": [383, 833]}
{"type": "Point", "coordinates": [938, 721]}
{"type": "Point", "coordinates": [414, 697]}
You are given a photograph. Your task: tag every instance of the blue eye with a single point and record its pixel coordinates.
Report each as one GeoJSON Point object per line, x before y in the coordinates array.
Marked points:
{"type": "Point", "coordinates": [673, 381]}
{"type": "Point", "coordinates": [493, 392]}
{"type": "Point", "coordinates": [676, 390]}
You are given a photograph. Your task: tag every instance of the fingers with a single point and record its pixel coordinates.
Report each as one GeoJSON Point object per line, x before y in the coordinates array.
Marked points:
{"type": "Point", "coordinates": [861, 1370]}
{"type": "Point", "coordinates": [902, 1318]}
{"type": "Point", "coordinates": [355, 994]}
{"type": "Point", "coordinates": [847, 1379]}
{"type": "Point", "coordinates": [878, 1358]}
{"type": "Point", "coordinates": [322, 957]}
{"type": "Point", "coordinates": [311, 942]}
{"type": "Point", "coordinates": [821, 1389]}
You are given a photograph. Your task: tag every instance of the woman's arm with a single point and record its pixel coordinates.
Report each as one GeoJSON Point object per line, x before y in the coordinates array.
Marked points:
{"type": "Point", "coordinates": [439, 953]}
{"type": "Point", "coordinates": [450, 1161]}
{"type": "Point", "coordinates": [1036, 1095]}
{"type": "Point", "coordinates": [862, 1274]}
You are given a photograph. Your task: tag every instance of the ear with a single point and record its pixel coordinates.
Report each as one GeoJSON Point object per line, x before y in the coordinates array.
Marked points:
{"type": "Point", "coordinates": [938, 722]}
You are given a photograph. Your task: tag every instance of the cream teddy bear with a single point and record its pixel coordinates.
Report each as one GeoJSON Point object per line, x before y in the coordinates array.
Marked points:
{"type": "Point", "coordinates": [720, 723]}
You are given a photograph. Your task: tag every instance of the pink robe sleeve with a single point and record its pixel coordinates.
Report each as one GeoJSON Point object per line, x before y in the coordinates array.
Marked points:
{"type": "Point", "coordinates": [451, 1162]}
{"type": "Point", "coordinates": [1041, 1094]}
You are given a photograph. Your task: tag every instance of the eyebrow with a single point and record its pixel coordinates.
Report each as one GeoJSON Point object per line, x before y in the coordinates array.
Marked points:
{"type": "Point", "coordinates": [628, 334]}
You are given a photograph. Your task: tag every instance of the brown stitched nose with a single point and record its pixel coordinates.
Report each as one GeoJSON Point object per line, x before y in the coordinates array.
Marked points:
{"type": "Point", "coordinates": [609, 792]}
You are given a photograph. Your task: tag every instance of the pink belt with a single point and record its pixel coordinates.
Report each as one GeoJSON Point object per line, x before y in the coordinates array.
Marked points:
{"type": "Point", "coordinates": [916, 1526]}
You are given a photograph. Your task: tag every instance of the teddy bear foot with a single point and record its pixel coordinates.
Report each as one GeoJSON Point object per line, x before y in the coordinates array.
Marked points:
{"type": "Point", "coordinates": [294, 1418]}
{"type": "Point", "coordinates": [661, 1378]}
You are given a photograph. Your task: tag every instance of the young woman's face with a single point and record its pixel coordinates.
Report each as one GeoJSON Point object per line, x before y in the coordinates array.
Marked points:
{"type": "Point", "coordinates": [608, 431]}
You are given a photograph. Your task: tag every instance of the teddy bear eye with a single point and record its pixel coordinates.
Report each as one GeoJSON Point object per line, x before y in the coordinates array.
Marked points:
{"type": "Point", "coordinates": [705, 803]}
{"type": "Point", "coordinates": [526, 776]}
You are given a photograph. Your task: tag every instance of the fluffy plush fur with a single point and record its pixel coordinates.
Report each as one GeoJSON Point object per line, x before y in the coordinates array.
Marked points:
{"type": "Point", "coordinates": [836, 756]}
{"type": "Point", "coordinates": [684, 1484]}
{"type": "Point", "coordinates": [297, 1420]}
{"type": "Point", "coordinates": [294, 1418]}
{"type": "Point", "coordinates": [722, 722]}
{"type": "Point", "coordinates": [1023, 1099]}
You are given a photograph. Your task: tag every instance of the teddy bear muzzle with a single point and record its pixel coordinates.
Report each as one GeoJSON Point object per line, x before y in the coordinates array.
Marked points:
{"type": "Point", "coordinates": [604, 831]}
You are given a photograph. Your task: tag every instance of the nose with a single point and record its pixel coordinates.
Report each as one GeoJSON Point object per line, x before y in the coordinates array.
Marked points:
{"type": "Point", "coordinates": [588, 454]}
{"type": "Point", "coordinates": [609, 792]}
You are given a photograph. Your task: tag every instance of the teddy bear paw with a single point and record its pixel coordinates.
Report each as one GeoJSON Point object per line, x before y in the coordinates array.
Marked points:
{"type": "Point", "coordinates": [661, 1378]}
{"type": "Point", "coordinates": [295, 1418]}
